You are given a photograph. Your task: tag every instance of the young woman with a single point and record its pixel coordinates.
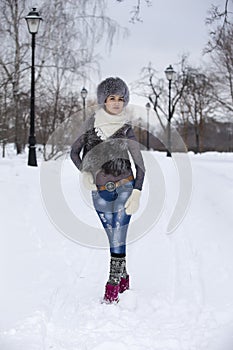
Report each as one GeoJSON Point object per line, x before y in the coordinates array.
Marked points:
{"type": "Point", "coordinates": [106, 142]}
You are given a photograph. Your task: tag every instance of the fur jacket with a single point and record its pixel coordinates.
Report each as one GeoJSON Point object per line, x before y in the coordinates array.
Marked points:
{"type": "Point", "coordinates": [108, 156]}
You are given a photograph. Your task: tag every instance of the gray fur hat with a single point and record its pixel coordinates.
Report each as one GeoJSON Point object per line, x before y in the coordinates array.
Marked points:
{"type": "Point", "coordinates": [112, 86]}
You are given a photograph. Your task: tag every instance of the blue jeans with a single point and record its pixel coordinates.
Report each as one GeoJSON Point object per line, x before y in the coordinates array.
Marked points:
{"type": "Point", "coordinates": [110, 207]}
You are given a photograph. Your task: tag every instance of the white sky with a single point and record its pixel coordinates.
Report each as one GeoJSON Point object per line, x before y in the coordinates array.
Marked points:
{"type": "Point", "coordinates": [169, 28]}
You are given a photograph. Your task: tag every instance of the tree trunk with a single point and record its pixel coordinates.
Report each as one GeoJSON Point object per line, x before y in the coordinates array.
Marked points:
{"type": "Point", "coordinates": [197, 138]}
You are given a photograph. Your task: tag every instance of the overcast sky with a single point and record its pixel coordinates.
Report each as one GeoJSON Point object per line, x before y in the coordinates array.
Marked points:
{"type": "Point", "coordinates": [169, 28]}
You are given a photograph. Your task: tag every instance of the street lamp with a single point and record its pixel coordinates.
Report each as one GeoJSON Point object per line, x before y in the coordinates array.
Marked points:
{"type": "Point", "coordinates": [148, 125]}
{"type": "Point", "coordinates": [33, 21]}
{"type": "Point", "coordinates": [84, 93]}
{"type": "Point", "coordinates": [170, 75]}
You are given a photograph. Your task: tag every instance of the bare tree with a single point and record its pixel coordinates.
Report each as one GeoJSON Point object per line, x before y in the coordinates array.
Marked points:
{"type": "Point", "coordinates": [222, 67]}
{"type": "Point", "coordinates": [151, 86]}
{"type": "Point", "coordinates": [4, 118]}
{"type": "Point", "coordinates": [65, 51]}
{"type": "Point", "coordinates": [47, 122]}
{"type": "Point", "coordinates": [218, 19]}
{"type": "Point", "coordinates": [220, 50]}
{"type": "Point", "coordinates": [135, 15]}
{"type": "Point", "coordinates": [197, 102]}
{"type": "Point", "coordinates": [155, 89]}
{"type": "Point", "coordinates": [11, 57]}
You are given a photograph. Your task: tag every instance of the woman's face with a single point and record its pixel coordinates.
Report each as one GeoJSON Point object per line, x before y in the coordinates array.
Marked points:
{"type": "Point", "coordinates": [114, 104]}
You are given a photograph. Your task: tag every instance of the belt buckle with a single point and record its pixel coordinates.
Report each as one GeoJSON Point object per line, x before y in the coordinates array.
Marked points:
{"type": "Point", "coordinates": [110, 186]}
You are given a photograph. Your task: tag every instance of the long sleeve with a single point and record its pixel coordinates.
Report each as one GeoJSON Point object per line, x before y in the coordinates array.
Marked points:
{"type": "Point", "coordinates": [134, 149]}
{"type": "Point", "coordinates": [78, 145]}
{"type": "Point", "coordinates": [76, 150]}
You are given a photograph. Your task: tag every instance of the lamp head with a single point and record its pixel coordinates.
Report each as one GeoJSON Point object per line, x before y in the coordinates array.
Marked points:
{"type": "Point", "coordinates": [33, 21]}
{"type": "Point", "coordinates": [170, 73]}
{"type": "Point", "coordinates": [84, 92]}
{"type": "Point", "coordinates": [148, 106]}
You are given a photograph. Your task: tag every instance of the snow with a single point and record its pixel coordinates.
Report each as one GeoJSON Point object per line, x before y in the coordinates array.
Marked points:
{"type": "Point", "coordinates": [181, 283]}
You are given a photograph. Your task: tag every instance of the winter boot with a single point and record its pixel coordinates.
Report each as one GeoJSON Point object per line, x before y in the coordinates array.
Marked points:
{"type": "Point", "coordinates": [113, 285]}
{"type": "Point", "coordinates": [124, 282]}
{"type": "Point", "coordinates": [111, 293]}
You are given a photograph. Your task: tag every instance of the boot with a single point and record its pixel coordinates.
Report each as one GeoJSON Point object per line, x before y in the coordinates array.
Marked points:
{"type": "Point", "coordinates": [111, 293]}
{"type": "Point", "coordinates": [113, 285]}
{"type": "Point", "coordinates": [124, 284]}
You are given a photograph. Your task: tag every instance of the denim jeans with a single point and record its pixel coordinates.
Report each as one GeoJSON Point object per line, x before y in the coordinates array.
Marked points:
{"type": "Point", "coordinates": [110, 209]}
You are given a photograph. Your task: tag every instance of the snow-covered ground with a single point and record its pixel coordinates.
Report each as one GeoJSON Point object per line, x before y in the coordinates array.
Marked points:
{"type": "Point", "coordinates": [181, 295]}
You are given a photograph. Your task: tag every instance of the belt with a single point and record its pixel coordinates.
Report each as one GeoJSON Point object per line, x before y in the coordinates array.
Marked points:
{"type": "Point", "coordinates": [111, 186]}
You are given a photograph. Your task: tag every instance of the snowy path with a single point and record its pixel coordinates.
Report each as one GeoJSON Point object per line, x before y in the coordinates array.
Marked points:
{"type": "Point", "coordinates": [181, 290]}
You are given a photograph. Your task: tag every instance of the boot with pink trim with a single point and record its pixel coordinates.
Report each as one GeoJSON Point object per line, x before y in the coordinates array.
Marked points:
{"type": "Point", "coordinates": [112, 287]}
{"type": "Point", "coordinates": [124, 284]}
{"type": "Point", "coordinates": [111, 293]}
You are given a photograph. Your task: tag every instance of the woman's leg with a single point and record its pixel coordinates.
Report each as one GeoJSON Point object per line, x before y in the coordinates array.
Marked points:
{"type": "Point", "coordinates": [110, 207]}
{"type": "Point", "coordinates": [112, 223]}
{"type": "Point", "coordinates": [115, 222]}
{"type": "Point", "coordinates": [104, 209]}
{"type": "Point", "coordinates": [120, 220]}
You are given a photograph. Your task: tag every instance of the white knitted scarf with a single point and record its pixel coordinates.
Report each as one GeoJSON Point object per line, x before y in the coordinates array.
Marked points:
{"type": "Point", "coordinates": [107, 124]}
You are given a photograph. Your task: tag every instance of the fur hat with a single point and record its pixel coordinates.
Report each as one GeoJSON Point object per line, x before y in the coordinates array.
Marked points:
{"type": "Point", "coordinates": [112, 86]}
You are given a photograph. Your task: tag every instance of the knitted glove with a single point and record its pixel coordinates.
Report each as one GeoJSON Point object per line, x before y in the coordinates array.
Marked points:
{"type": "Point", "coordinates": [132, 203]}
{"type": "Point", "coordinates": [88, 181]}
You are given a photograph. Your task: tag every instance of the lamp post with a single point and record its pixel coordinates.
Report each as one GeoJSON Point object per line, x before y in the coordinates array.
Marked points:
{"type": "Point", "coordinates": [170, 75]}
{"type": "Point", "coordinates": [84, 93]}
{"type": "Point", "coordinates": [33, 21]}
{"type": "Point", "coordinates": [148, 125]}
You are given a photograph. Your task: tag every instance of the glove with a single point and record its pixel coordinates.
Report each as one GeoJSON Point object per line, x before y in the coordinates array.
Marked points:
{"type": "Point", "coordinates": [88, 181]}
{"type": "Point", "coordinates": [132, 203]}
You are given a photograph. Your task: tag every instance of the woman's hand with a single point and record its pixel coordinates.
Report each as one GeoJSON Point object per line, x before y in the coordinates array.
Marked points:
{"type": "Point", "coordinates": [132, 203]}
{"type": "Point", "coordinates": [88, 181]}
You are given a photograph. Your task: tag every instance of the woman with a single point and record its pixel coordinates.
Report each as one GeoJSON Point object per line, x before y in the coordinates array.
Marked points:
{"type": "Point", "coordinates": [105, 143]}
